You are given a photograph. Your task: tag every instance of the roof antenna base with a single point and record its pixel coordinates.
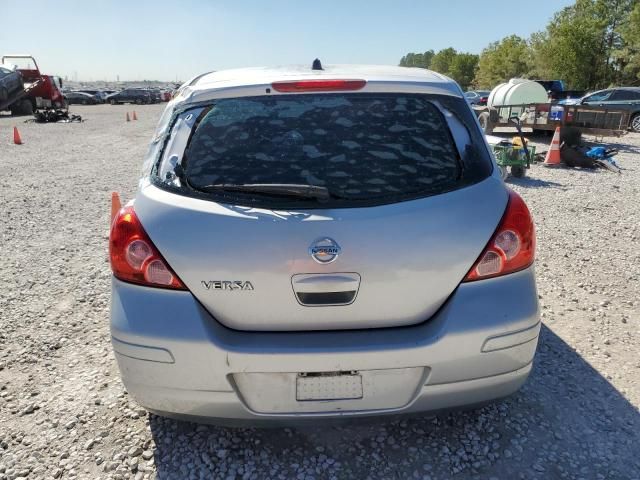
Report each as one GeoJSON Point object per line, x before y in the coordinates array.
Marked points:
{"type": "Point", "coordinates": [316, 65]}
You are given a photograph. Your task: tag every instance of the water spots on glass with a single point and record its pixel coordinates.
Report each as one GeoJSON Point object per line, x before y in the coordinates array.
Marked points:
{"type": "Point", "coordinates": [376, 181]}
{"type": "Point", "coordinates": [383, 155]}
{"type": "Point", "coordinates": [344, 122]}
{"type": "Point", "coordinates": [408, 168]}
{"type": "Point", "coordinates": [350, 144]}
{"type": "Point", "coordinates": [312, 152]}
{"type": "Point", "coordinates": [400, 128]}
{"type": "Point", "coordinates": [263, 157]}
{"type": "Point", "coordinates": [291, 138]}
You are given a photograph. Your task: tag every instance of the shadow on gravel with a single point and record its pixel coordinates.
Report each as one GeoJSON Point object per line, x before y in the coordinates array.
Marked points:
{"type": "Point", "coordinates": [567, 422]}
{"type": "Point", "coordinates": [529, 182]}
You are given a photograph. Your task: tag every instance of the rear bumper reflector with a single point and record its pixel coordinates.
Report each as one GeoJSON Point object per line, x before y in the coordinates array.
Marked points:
{"type": "Point", "coordinates": [142, 352]}
{"type": "Point", "coordinates": [511, 339]}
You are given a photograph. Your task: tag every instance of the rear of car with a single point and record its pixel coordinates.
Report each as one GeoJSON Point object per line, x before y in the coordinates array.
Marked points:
{"type": "Point", "coordinates": [321, 243]}
{"type": "Point", "coordinates": [478, 97]}
{"type": "Point", "coordinates": [155, 95]}
{"type": "Point", "coordinates": [483, 97]}
{"type": "Point", "coordinates": [142, 96]}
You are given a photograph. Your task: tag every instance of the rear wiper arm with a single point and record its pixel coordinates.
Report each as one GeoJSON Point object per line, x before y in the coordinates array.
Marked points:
{"type": "Point", "coordinates": [279, 189]}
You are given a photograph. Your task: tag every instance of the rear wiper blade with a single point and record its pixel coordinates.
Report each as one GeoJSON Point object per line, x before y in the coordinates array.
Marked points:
{"type": "Point", "coordinates": [279, 189]}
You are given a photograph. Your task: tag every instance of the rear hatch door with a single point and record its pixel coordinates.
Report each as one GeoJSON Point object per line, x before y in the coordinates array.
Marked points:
{"type": "Point", "coordinates": [412, 204]}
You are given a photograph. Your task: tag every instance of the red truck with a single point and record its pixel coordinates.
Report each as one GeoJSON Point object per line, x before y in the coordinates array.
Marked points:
{"type": "Point", "coordinates": [41, 91]}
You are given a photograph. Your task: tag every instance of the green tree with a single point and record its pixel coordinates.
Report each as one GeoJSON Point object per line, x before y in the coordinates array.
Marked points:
{"type": "Point", "coordinates": [582, 44]}
{"type": "Point", "coordinates": [571, 47]}
{"type": "Point", "coordinates": [441, 61]}
{"type": "Point", "coordinates": [420, 60]}
{"type": "Point", "coordinates": [463, 69]}
{"type": "Point", "coordinates": [459, 66]}
{"type": "Point", "coordinates": [627, 57]}
{"type": "Point", "coordinates": [616, 15]}
{"type": "Point", "coordinates": [590, 44]}
{"type": "Point", "coordinates": [502, 60]}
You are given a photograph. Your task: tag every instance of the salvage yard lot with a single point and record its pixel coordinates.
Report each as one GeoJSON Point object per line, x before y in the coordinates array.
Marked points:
{"type": "Point", "coordinates": [64, 412]}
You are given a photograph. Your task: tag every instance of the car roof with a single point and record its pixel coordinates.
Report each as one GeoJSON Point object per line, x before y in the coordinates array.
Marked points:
{"type": "Point", "coordinates": [634, 89]}
{"type": "Point", "coordinates": [205, 86]}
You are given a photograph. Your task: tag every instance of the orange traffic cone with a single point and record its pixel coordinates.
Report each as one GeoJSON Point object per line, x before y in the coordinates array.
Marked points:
{"type": "Point", "coordinates": [16, 136]}
{"type": "Point", "coordinates": [128, 119]}
{"type": "Point", "coordinates": [115, 205]}
{"type": "Point", "coordinates": [135, 117]}
{"type": "Point", "coordinates": [553, 155]}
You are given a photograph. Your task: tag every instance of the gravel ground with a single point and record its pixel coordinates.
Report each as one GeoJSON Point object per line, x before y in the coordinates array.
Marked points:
{"type": "Point", "coordinates": [65, 414]}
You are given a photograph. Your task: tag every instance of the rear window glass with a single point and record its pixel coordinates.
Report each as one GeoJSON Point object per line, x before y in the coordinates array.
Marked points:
{"type": "Point", "coordinates": [363, 148]}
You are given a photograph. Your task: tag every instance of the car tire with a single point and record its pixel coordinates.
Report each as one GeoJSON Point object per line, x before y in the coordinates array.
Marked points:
{"type": "Point", "coordinates": [22, 107]}
{"type": "Point", "coordinates": [517, 171]}
{"type": "Point", "coordinates": [485, 123]}
{"type": "Point", "coordinates": [138, 101]}
{"type": "Point", "coordinates": [634, 125]}
{"type": "Point", "coordinates": [84, 102]}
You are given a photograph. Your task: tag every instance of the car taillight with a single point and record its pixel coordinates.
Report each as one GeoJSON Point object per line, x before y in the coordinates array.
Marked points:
{"type": "Point", "coordinates": [318, 85]}
{"type": "Point", "coordinates": [134, 258]}
{"type": "Point", "coordinates": [512, 246]}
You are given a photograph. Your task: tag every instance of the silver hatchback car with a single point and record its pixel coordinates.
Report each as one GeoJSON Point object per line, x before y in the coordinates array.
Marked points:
{"type": "Point", "coordinates": [321, 242]}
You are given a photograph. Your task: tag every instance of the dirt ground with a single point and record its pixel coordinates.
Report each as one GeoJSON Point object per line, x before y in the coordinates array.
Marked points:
{"type": "Point", "coordinates": [65, 414]}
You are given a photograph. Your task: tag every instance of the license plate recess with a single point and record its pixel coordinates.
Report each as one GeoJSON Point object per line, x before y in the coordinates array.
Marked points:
{"type": "Point", "coordinates": [323, 386]}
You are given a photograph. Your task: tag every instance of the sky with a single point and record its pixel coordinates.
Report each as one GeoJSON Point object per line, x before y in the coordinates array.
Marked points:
{"type": "Point", "coordinates": [178, 39]}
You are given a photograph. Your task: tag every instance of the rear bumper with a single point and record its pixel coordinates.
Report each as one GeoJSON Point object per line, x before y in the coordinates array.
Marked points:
{"type": "Point", "coordinates": [175, 359]}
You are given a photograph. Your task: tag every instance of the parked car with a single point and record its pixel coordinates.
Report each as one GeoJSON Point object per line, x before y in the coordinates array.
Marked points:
{"type": "Point", "coordinates": [620, 98]}
{"type": "Point", "coordinates": [129, 95]}
{"type": "Point", "coordinates": [477, 97]}
{"type": "Point", "coordinates": [100, 95]}
{"type": "Point", "coordinates": [10, 83]}
{"type": "Point", "coordinates": [81, 98]}
{"type": "Point", "coordinates": [156, 97]}
{"type": "Point", "coordinates": [311, 243]}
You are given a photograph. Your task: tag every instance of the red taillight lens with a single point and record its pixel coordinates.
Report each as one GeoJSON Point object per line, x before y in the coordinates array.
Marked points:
{"type": "Point", "coordinates": [512, 246]}
{"type": "Point", "coordinates": [133, 256]}
{"type": "Point", "coordinates": [318, 85]}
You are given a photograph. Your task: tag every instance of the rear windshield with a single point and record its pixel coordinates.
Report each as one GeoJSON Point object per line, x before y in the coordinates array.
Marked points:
{"type": "Point", "coordinates": [364, 149]}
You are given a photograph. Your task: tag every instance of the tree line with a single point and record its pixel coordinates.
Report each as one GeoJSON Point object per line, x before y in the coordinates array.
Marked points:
{"type": "Point", "coordinates": [589, 45]}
